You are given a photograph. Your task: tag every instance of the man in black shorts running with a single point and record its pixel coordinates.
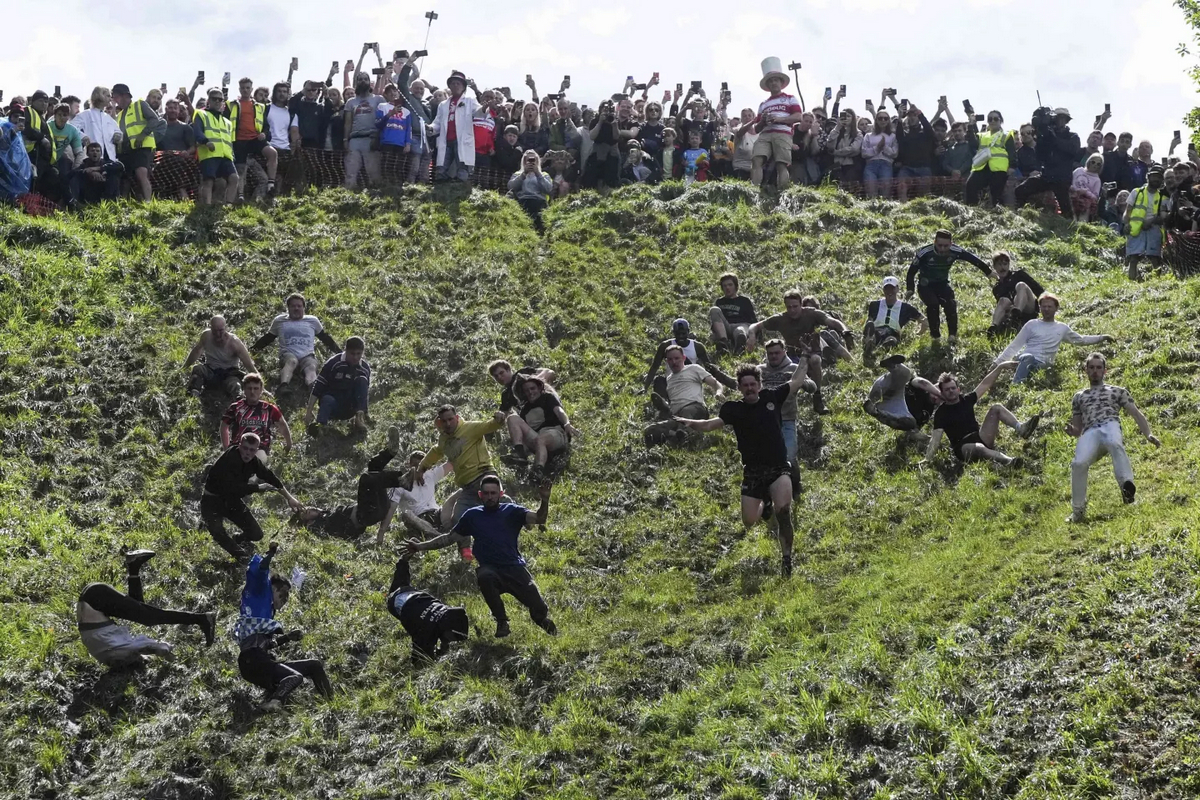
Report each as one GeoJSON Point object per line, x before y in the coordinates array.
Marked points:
{"type": "Point", "coordinates": [766, 474]}
{"type": "Point", "coordinates": [956, 418]}
{"type": "Point", "coordinates": [901, 400]}
{"type": "Point", "coordinates": [932, 263]}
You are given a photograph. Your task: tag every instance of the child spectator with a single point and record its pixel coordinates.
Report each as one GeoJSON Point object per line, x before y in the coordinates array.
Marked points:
{"type": "Point", "coordinates": [695, 159]}
{"type": "Point", "coordinates": [667, 159]}
{"type": "Point", "coordinates": [1085, 188]}
{"type": "Point", "coordinates": [561, 171]}
{"type": "Point", "coordinates": [635, 169]}
{"type": "Point", "coordinates": [507, 159]}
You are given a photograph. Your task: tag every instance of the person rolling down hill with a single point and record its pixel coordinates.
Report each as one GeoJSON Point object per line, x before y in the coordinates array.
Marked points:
{"type": "Point", "coordinates": [432, 624]}
{"type": "Point", "coordinates": [227, 483]}
{"type": "Point", "coordinates": [297, 332]}
{"type": "Point", "coordinates": [1096, 422]}
{"type": "Point", "coordinates": [683, 396]}
{"type": "Point", "coordinates": [223, 352]}
{"type": "Point", "coordinates": [766, 473]}
{"type": "Point", "coordinates": [1037, 343]}
{"type": "Point", "coordinates": [901, 400]}
{"type": "Point", "coordinates": [887, 316]}
{"type": "Point", "coordinates": [463, 445]}
{"type": "Point", "coordinates": [258, 633]}
{"type": "Point", "coordinates": [956, 418]}
{"type": "Point", "coordinates": [798, 327]}
{"type": "Point", "coordinates": [381, 493]}
{"type": "Point", "coordinates": [512, 395]}
{"type": "Point", "coordinates": [1016, 293]}
{"type": "Point", "coordinates": [115, 645]}
{"type": "Point", "coordinates": [693, 352]}
{"type": "Point", "coordinates": [544, 427]}
{"type": "Point", "coordinates": [494, 527]}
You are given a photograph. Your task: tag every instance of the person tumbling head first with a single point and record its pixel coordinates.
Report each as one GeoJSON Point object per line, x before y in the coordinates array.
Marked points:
{"type": "Point", "coordinates": [114, 644]}
{"type": "Point", "coordinates": [431, 623]}
{"type": "Point", "coordinates": [258, 632]}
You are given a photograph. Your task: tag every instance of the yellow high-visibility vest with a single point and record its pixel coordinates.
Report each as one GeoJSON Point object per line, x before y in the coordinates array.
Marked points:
{"type": "Point", "coordinates": [133, 122]}
{"type": "Point", "coordinates": [997, 143]}
{"type": "Point", "coordinates": [219, 131]}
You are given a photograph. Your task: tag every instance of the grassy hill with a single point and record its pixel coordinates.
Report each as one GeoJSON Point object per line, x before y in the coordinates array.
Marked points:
{"type": "Point", "coordinates": [946, 634]}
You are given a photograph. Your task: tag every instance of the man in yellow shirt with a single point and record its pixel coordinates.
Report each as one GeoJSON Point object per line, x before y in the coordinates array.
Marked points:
{"type": "Point", "coordinates": [462, 444]}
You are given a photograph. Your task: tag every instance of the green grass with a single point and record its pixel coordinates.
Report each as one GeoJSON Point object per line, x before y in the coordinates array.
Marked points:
{"type": "Point", "coordinates": [946, 633]}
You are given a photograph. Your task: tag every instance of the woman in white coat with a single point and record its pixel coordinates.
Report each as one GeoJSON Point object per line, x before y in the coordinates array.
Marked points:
{"type": "Point", "coordinates": [96, 126]}
{"type": "Point", "coordinates": [456, 157]}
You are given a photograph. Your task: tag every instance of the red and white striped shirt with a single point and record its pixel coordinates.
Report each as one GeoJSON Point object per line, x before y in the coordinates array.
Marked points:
{"type": "Point", "coordinates": [783, 105]}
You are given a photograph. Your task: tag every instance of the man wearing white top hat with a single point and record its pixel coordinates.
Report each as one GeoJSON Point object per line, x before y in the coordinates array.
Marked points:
{"type": "Point", "coordinates": [776, 116]}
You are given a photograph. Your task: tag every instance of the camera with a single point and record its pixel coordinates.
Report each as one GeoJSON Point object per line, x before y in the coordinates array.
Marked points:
{"type": "Point", "coordinates": [418, 54]}
{"type": "Point", "coordinates": [1042, 117]}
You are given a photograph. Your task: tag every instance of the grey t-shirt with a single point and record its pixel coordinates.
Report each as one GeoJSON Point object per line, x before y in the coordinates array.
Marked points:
{"type": "Point", "coordinates": [896, 405]}
{"type": "Point", "coordinates": [177, 136]}
{"type": "Point", "coordinates": [362, 120]}
{"type": "Point", "coordinates": [297, 336]}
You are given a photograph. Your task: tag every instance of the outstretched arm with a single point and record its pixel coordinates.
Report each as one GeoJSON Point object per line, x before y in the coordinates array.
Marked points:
{"type": "Point", "coordinates": [195, 354]}
{"type": "Point", "coordinates": [539, 517]}
{"type": "Point", "coordinates": [989, 380]}
{"type": "Point", "coordinates": [655, 363]}
{"type": "Point", "coordinates": [329, 342]}
{"type": "Point", "coordinates": [263, 341]}
{"type": "Point", "coordinates": [935, 439]}
{"type": "Point", "coordinates": [926, 386]}
{"type": "Point", "coordinates": [714, 424]}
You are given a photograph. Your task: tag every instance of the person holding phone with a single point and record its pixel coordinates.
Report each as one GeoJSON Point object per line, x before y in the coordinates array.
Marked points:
{"type": "Point", "coordinates": [455, 130]}
{"type": "Point", "coordinates": [776, 116]}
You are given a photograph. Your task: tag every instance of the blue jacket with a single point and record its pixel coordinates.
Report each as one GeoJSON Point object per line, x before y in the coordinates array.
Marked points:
{"type": "Point", "coordinates": [395, 126]}
{"type": "Point", "coordinates": [256, 597]}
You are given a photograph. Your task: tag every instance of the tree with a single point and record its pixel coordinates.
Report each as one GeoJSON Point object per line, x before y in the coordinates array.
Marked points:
{"type": "Point", "coordinates": [1191, 12]}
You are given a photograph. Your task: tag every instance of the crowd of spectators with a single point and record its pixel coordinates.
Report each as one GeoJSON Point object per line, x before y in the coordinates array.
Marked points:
{"type": "Point", "coordinates": [226, 146]}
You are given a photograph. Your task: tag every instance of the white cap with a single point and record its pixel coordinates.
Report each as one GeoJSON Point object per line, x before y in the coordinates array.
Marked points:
{"type": "Point", "coordinates": [891, 280]}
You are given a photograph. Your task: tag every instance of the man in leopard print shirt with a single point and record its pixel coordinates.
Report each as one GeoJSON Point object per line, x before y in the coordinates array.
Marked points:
{"type": "Point", "coordinates": [1096, 421]}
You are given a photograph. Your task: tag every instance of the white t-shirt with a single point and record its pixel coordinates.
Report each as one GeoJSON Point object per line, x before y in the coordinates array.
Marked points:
{"type": "Point", "coordinates": [423, 497]}
{"type": "Point", "coordinates": [297, 336]}
{"type": "Point", "coordinates": [279, 121]}
{"type": "Point", "coordinates": [686, 386]}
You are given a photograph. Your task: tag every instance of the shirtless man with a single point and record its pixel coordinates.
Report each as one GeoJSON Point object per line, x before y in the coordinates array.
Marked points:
{"type": "Point", "coordinates": [222, 352]}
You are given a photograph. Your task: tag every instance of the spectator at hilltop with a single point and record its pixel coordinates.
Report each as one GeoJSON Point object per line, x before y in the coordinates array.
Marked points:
{"type": "Point", "coordinates": [845, 144]}
{"type": "Point", "coordinates": [776, 116]}
{"type": "Point", "coordinates": [879, 150]}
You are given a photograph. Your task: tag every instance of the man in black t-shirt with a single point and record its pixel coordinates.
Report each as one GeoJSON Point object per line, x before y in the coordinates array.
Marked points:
{"type": "Point", "coordinates": [432, 624]}
{"type": "Point", "coordinates": [766, 473]}
{"type": "Point", "coordinates": [956, 418]}
{"type": "Point", "coordinates": [1016, 294]}
{"type": "Point", "coordinates": [731, 316]}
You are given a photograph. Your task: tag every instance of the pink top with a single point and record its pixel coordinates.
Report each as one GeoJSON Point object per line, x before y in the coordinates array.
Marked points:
{"type": "Point", "coordinates": [1086, 181]}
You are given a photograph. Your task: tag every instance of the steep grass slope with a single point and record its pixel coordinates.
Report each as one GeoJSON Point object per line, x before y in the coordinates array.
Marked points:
{"type": "Point", "coordinates": [946, 633]}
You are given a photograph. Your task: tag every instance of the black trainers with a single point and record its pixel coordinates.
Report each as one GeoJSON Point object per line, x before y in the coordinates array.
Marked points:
{"type": "Point", "coordinates": [134, 559]}
{"type": "Point", "coordinates": [275, 699]}
{"type": "Point", "coordinates": [502, 629]}
{"type": "Point", "coordinates": [547, 625]}
{"type": "Point", "coordinates": [209, 626]}
{"type": "Point", "coordinates": [314, 429]}
{"type": "Point", "coordinates": [819, 403]}
{"type": "Point", "coordinates": [536, 473]}
{"type": "Point", "coordinates": [1128, 490]}
{"type": "Point", "coordinates": [1029, 426]}
{"type": "Point", "coordinates": [786, 569]}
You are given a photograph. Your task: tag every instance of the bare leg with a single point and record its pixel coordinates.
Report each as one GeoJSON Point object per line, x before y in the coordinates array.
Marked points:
{"type": "Point", "coordinates": [752, 509]}
{"type": "Point", "coordinates": [716, 321]}
{"type": "Point", "coordinates": [143, 181]}
{"type": "Point", "coordinates": [272, 156]}
{"type": "Point", "coordinates": [781, 498]}
{"type": "Point", "coordinates": [814, 370]}
{"type": "Point", "coordinates": [1024, 299]}
{"type": "Point", "coordinates": [285, 371]}
{"type": "Point", "coordinates": [1003, 306]}
{"type": "Point", "coordinates": [783, 177]}
{"type": "Point", "coordinates": [972, 452]}
{"type": "Point", "coordinates": [204, 195]}
{"type": "Point", "coordinates": [756, 170]}
{"type": "Point", "coordinates": [991, 423]}
{"type": "Point", "coordinates": [231, 192]}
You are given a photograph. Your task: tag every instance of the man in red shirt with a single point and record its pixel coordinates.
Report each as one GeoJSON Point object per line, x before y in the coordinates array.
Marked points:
{"type": "Point", "coordinates": [776, 116]}
{"type": "Point", "coordinates": [252, 414]}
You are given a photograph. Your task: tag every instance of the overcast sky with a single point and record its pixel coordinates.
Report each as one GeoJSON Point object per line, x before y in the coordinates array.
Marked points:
{"type": "Point", "coordinates": [997, 53]}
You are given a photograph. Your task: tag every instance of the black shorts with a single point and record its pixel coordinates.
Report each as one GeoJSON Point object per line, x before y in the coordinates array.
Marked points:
{"type": "Point", "coordinates": [970, 438]}
{"type": "Point", "coordinates": [141, 158]}
{"type": "Point", "coordinates": [243, 149]}
{"type": "Point", "coordinates": [756, 481]}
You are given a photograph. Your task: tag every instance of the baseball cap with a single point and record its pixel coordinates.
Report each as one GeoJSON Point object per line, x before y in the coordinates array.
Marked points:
{"type": "Point", "coordinates": [121, 88]}
{"type": "Point", "coordinates": [891, 280]}
{"type": "Point", "coordinates": [681, 323]}
{"type": "Point", "coordinates": [16, 110]}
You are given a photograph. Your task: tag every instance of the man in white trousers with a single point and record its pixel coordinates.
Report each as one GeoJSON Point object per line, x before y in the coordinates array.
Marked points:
{"type": "Point", "coordinates": [1096, 421]}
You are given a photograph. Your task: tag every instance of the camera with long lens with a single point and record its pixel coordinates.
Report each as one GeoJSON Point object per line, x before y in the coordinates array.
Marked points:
{"type": "Point", "coordinates": [1043, 117]}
